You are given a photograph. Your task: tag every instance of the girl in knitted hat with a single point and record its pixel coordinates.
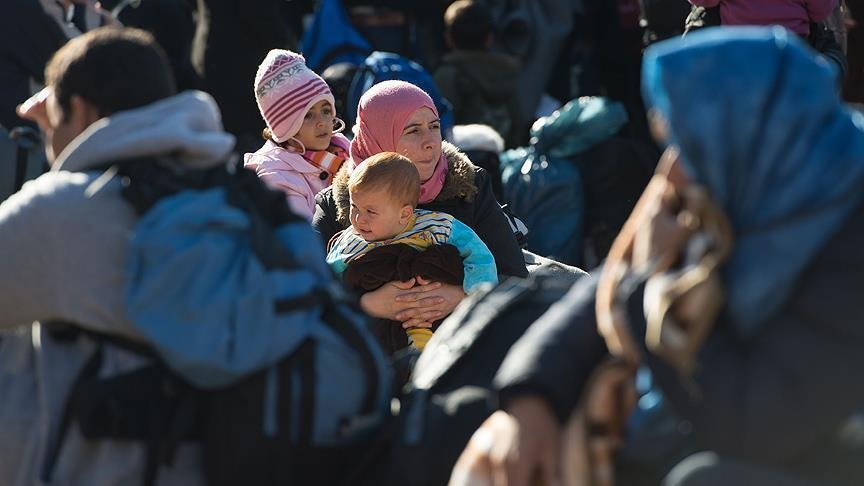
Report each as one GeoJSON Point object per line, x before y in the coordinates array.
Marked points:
{"type": "Point", "coordinates": [304, 147]}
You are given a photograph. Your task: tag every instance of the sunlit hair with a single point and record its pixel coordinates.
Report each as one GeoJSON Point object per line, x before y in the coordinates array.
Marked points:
{"type": "Point", "coordinates": [469, 24]}
{"type": "Point", "coordinates": [390, 172]}
{"type": "Point", "coordinates": [112, 68]}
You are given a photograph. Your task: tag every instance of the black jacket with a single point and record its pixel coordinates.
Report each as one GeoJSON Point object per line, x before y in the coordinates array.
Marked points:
{"type": "Point", "coordinates": [466, 195]}
{"type": "Point", "coordinates": [28, 39]}
{"type": "Point", "coordinates": [779, 399]}
{"type": "Point", "coordinates": [231, 40]}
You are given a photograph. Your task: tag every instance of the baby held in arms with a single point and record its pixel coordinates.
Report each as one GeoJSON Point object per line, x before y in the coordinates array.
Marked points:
{"type": "Point", "coordinates": [389, 239]}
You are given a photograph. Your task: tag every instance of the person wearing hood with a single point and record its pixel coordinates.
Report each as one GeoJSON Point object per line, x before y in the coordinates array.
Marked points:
{"type": "Point", "coordinates": [735, 280]}
{"type": "Point", "coordinates": [65, 236]}
{"type": "Point", "coordinates": [480, 84]}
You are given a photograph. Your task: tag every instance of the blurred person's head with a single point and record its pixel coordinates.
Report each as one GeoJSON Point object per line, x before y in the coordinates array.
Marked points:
{"type": "Point", "coordinates": [771, 142]}
{"type": "Point", "coordinates": [468, 25]}
{"type": "Point", "coordinates": [102, 72]}
{"type": "Point", "coordinates": [384, 191]}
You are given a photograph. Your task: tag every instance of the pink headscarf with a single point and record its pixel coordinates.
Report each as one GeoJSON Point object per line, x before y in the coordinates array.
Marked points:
{"type": "Point", "coordinates": [381, 116]}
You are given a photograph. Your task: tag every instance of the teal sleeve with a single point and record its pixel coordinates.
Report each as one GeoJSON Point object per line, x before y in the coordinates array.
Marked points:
{"type": "Point", "coordinates": [477, 259]}
{"type": "Point", "coordinates": [336, 259]}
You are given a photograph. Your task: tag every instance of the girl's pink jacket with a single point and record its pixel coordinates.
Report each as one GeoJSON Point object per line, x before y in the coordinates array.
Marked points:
{"type": "Point", "coordinates": [291, 173]}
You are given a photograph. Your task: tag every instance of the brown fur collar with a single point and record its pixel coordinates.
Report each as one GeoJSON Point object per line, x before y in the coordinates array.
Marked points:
{"type": "Point", "coordinates": [459, 182]}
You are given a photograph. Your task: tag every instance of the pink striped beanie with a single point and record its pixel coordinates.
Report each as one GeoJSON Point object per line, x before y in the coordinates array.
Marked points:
{"type": "Point", "coordinates": [285, 89]}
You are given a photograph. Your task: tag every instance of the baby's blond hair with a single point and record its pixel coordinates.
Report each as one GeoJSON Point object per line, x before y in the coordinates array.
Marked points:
{"type": "Point", "coordinates": [391, 172]}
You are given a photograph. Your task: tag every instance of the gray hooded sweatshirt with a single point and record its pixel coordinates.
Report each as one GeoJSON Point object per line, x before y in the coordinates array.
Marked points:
{"type": "Point", "coordinates": [63, 247]}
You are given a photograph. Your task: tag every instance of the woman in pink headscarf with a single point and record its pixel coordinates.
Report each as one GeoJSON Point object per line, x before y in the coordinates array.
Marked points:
{"type": "Point", "coordinates": [395, 116]}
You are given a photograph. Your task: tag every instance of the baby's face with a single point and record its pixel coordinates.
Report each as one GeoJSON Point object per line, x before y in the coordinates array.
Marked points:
{"type": "Point", "coordinates": [317, 128]}
{"type": "Point", "coordinates": [376, 216]}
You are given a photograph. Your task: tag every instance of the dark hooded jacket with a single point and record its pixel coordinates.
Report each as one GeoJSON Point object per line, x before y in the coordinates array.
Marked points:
{"type": "Point", "coordinates": [28, 39]}
{"type": "Point", "coordinates": [482, 88]}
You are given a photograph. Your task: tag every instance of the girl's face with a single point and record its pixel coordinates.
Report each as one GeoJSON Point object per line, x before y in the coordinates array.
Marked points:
{"type": "Point", "coordinates": [376, 216]}
{"type": "Point", "coordinates": [317, 127]}
{"type": "Point", "coordinates": [420, 141]}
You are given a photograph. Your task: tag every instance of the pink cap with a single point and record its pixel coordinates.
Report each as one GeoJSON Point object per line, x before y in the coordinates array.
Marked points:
{"type": "Point", "coordinates": [285, 89]}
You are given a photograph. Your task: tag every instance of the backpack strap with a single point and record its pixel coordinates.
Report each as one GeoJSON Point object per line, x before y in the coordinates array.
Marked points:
{"type": "Point", "coordinates": [164, 428]}
{"type": "Point", "coordinates": [328, 300]}
{"type": "Point", "coordinates": [520, 231]}
{"type": "Point", "coordinates": [148, 180]}
{"type": "Point", "coordinates": [58, 435]}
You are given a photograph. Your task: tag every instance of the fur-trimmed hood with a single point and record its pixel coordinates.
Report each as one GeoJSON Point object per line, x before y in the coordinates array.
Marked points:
{"type": "Point", "coordinates": [459, 182]}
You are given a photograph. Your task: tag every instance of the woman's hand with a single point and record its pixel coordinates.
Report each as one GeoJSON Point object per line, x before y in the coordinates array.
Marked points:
{"type": "Point", "coordinates": [519, 447]}
{"type": "Point", "coordinates": [415, 303]}
{"type": "Point", "coordinates": [433, 300]}
{"type": "Point", "coordinates": [382, 302]}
